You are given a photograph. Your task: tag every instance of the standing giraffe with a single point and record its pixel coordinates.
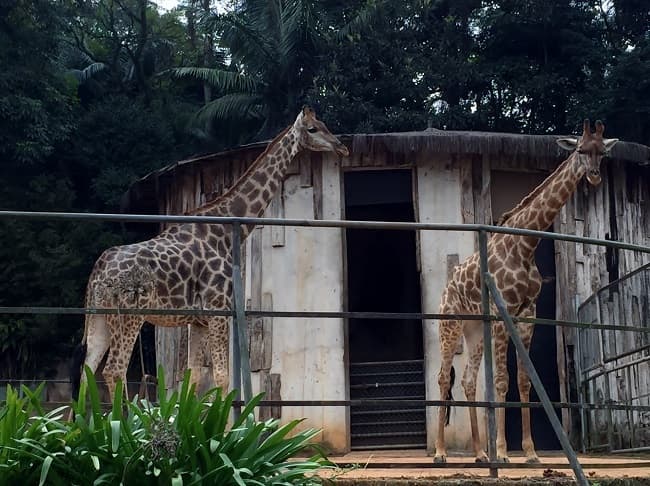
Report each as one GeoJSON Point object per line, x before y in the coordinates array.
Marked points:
{"type": "Point", "coordinates": [511, 260]}
{"type": "Point", "coordinates": [189, 265]}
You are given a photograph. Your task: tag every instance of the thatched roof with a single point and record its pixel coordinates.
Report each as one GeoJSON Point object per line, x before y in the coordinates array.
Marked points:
{"type": "Point", "coordinates": [142, 194]}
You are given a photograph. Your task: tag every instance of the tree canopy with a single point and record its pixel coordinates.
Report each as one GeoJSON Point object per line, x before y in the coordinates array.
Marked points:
{"type": "Point", "coordinates": [96, 93]}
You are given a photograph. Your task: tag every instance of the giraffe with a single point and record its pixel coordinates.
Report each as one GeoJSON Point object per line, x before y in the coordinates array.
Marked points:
{"type": "Point", "coordinates": [511, 260]}
{"type": "Point", "coordinates": [189, 265]}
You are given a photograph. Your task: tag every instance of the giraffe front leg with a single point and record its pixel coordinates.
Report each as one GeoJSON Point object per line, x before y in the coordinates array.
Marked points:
{"type": "Point", "coordinates": [523, 382]}
{"type": "Point", "coordinates": [219, 339]}
{"type": "Point", "coordinates": [450, 332]}
{"type": "Point", "coordinates": [474, 340]}
{"type": "Point", "coordinates": [500, 338]}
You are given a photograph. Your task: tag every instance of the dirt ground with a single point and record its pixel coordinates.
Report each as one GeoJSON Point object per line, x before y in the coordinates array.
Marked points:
{"type": "Point", "coordinates": [377, 468]}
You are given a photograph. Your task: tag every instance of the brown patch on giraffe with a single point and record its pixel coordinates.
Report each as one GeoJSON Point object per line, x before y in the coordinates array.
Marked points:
{"type": "Point", "coordinates": [256, 207]}
{"type": "Point", "coordinates": [238, 206]}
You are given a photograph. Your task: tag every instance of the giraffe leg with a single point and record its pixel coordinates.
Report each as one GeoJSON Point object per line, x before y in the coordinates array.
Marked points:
{"type": "Point", "coordinates": [523, 382]}
{"type": "Point", "coordinates": [124, 332]}
{"type": "Point", "coordinates": [500, 338]}
{"type": "Point", "coordinates": [219, 340]}
{"type": "Point", "coordinates": [450, 332]}
{"type": "Point", "coordinates": [97, 342]}
{"type": "Point", "coordinates": [198, 334]}
{"type": "Point", "coordinates": [474, 339]}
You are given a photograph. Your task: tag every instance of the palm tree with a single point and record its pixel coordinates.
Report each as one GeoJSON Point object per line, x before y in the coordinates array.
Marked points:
{"type": "Point", "coordinates": [268, 59]}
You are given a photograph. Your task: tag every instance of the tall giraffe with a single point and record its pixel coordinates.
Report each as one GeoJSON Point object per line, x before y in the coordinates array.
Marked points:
{"type": "Point", "coordinates": [511, 260]}
{"type": "Point", "coordinates": [189, 265]}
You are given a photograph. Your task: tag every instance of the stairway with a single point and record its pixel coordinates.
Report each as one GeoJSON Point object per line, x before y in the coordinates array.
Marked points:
{"type": "Point", "coordinates": [390, 426]}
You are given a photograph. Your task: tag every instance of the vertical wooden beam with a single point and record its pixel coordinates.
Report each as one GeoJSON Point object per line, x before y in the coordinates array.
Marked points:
{"type": "Point", "coordinates": [317, 183]}
{"type": "Point", "coordinates": [277, 211]}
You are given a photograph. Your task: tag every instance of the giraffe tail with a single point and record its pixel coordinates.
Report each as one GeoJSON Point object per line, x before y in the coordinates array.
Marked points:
{"type": "Point", "coordinates": [452, 379]}
{"type": "Point", "coordinates": [78, 360]}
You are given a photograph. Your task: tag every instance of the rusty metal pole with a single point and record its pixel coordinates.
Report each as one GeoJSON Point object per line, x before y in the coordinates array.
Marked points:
{"type": "Point", "coordinates": [487, 354]}
{"type": "Point", "coordinates": [581, 479]}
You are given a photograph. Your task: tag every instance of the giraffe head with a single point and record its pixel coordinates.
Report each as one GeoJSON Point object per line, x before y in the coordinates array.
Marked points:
{"type": "Point", "coordinates": [589, 149]}
{"type": "Point", "coordinates": [314, 135]}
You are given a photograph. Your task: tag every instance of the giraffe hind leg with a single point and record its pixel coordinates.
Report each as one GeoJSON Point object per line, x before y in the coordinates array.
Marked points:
{"type": "Point", "coordinates": [125, 330]}
{"type": "Point", "coordinates": [450, 332]}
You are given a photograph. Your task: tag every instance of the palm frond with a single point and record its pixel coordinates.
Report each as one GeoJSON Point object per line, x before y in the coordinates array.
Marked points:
{"type": "Point", "coordinates": [299, 29]}
{"type": "Point", "coordinates": [365, 19]}
{"type": "Point", "coordinates": [237, 106]}
{"type": "Point", "coordinates": [223, 79]}
{"type": "Point", "coordinates": [247, 45]}
{"type": "Point", "coordinates": [88, 72]}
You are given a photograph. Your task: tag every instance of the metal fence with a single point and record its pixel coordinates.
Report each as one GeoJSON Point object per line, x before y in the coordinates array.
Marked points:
{"type": "Point", "coordinates": [614, 366]}
{"type": "Point", "coordinates": [241, 369]}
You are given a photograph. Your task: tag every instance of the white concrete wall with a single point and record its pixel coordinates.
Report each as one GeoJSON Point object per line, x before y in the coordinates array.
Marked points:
{"type": "Point", "coordinates": [306, 274]}
{"type": "Point", "coordinates": [439, 201]}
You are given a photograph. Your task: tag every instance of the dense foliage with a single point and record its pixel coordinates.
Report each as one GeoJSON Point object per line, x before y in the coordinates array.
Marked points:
{"type": "Point", "coordinates": [96, 93]}
{"type": "Point", "coordinates": [181, 440]}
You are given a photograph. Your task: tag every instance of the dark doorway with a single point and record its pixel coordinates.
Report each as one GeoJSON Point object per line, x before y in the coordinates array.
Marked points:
{"type": "Point", "coordinates": [543, 353]}
{"type": "Point", "coordinates": [385, 355]}
{"type": "Point", "coordinates": [508, 188]}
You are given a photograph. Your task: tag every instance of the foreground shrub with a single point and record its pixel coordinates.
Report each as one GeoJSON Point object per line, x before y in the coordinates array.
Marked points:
{"type": "Point", "coordinates": [182, 440]}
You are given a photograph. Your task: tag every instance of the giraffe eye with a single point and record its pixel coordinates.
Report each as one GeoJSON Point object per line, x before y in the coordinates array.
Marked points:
{"type": "Point", "coordinates": [312, 129]}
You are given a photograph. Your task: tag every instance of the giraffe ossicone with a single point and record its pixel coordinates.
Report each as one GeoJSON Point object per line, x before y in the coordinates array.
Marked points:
{"type": "Point", "coordinates": [188, 266]}
{"type": "Point", "coordinates": [511, 261]}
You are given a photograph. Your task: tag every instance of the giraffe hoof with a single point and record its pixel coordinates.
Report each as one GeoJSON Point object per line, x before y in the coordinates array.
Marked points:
{"type": "Point", "coordinates": [481, 459]}
{"type": "Point", "coordinates": [439, 459]}
{"type": "Point", "coordinates": [503, 459]}
{"type": "Point", "coordinates": [532, 460]}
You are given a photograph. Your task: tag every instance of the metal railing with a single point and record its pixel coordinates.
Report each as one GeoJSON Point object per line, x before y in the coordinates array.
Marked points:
{"type": "Point", "coordinates": [241, 367]}
{"type": "Point", "coordinates": [614, 365]}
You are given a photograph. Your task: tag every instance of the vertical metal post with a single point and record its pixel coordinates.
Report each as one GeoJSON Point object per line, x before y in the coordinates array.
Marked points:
{"type": "Point", "coordinates": [239, 321]}
{"type": "Point", "coordinates": [487, 354]}
{"type": "Point", "coordinates": [581, 388]}
{"type": "Point", "coordinates": [581, 479]}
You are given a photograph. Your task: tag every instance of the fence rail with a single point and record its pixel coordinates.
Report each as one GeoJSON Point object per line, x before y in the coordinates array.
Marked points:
{"type": "Point", "coordinates": [239, 314]}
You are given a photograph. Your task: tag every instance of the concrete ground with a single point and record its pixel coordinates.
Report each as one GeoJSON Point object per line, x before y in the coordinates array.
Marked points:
{"type": "Point", "coordinates": [375, 468]}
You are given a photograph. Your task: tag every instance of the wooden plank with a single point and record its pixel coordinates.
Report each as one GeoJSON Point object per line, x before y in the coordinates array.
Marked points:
{"type": "Point", "coordinates": [317, 183]}
{"type": "Point", "coordinates": [467, 196]}
{"type": "Point", "coordinates": [305, 169]}
{"type": "Point", "coordinates": [416, 214]}
{"type": "Point", "coordinates": [256, 327]}
{"type": "Point", "coordinates": [270, 384]}
{"type": "Point", "coordinates": [277, 211]}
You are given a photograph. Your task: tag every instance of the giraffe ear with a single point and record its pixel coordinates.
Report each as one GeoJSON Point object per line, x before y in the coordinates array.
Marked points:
{"type": "Point", "coordinates": [609, 143]}
{"type": "Point", "coordinates": [567, 143]}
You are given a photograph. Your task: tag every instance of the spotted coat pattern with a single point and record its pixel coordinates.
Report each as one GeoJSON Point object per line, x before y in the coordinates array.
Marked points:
{"type": "Point", "coordinates": [189, 266]}
{"type": "Point", "coordinates": [511, 261]}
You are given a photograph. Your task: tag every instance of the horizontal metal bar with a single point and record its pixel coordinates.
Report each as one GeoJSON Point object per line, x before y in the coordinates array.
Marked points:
{"type": "Point", "coordinates": [368, 402]}
{"type": "Point", "coordinates": [616, 368]}
{"type": "Point", "coordinates": [490, 465]}
{"type": "Point", "coordinates": [312, 314]}
{"type": "Point", "coordinates": [631, 450]}
{"type": "Point", "coordinates": [322, 223]}
{"type": "Point", "coordinates": [626, 354]}
{"type": "Point", "coordinates": [615, 283]}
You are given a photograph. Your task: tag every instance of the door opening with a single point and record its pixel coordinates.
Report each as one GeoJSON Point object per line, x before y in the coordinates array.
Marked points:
{"type": "Point", "coordinates": [508, 188]}
{"type": "Point", "coordinates": [385, 355]}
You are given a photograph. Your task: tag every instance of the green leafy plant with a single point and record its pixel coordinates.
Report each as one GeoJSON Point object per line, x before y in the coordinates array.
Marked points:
{"type": "Point", "coordinates": [184, 439]}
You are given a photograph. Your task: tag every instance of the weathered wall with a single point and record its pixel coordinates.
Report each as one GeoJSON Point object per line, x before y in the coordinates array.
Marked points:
{"type": "Point", "coordinates": [439, 200]}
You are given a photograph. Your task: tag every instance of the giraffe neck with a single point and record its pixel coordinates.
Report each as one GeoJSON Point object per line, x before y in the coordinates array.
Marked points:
{"type": "Point", "coordinates": [538, 210]}
{"type": "Point", "coordinates": [253, 191]}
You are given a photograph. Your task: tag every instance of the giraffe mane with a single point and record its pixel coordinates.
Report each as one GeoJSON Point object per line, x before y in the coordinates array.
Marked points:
{"type": "Point", "coordinates": [532, 195]}
{"type": "Point", "coordinates": [246, 173]}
